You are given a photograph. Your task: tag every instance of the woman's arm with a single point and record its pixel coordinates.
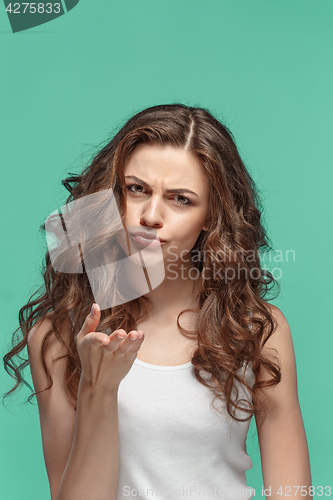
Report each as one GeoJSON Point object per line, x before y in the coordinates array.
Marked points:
{"type": "Point", "coordinates": [91, 472]}
{"type": "Point", "coordinates": [56, 412]}
{"type": "Point", "coordinates": [282, 439]}
{"type": "Point", "coordinates": [81, 448]}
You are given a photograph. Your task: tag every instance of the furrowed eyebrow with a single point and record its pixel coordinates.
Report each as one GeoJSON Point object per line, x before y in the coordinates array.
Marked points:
{"type": "Point", "coordinates": [178, 190]}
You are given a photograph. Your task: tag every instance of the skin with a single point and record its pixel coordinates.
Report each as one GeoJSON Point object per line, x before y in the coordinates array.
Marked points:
{"type": "Point", "coordinates": [174, 220]}
{"type": "Point", "coordinates": [178, 219]}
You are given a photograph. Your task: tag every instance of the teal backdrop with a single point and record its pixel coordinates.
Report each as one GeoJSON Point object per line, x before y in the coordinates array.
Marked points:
{"type": "Point", "coordinates": [265, 69]}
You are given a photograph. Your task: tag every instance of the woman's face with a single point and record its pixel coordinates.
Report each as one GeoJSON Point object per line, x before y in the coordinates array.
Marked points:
{"type": "Point", "coordinates": [167, 193]}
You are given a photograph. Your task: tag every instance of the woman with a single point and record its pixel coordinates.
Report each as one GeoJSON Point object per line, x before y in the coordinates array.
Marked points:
{"type": "Point", "coordinates": [131, 402]}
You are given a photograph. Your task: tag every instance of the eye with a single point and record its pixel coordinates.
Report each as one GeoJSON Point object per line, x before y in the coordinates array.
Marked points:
{"type": "Point", "coordinates": [135, 185]}
{"type": "Point", "coordinates": [188, 201]}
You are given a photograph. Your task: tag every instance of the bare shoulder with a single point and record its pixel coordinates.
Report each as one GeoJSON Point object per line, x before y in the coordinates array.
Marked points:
{"type": "Point", "coordinates": [280, 347]}
{"type": "Point", "coordinates": [55, 366]}
{"type": "Point", "coordinates": [277, 314]}
{"type": "Point", "coordinates": [281, 338]}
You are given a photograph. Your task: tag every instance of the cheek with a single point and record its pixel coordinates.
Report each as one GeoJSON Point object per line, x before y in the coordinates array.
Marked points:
{"type": "Point", "coordinates": [187, 230]}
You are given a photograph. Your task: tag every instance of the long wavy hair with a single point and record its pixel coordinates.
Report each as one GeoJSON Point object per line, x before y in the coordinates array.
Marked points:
{"type": "Point", "coordinates": [229, 338]}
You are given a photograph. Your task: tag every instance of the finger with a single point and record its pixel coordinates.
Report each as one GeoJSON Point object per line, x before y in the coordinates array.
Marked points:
{"type": "Point", "coordinates": [91, 357]}
{"type": "Point", "coordinates": [131, 343]}
{"type": "Point", "coordinates": [115, 339]}
{"type": "Point", "coordinates": [99, 339]}
{"type": "Point", "coordinates": [91, 322]}
{"type": "Point", "coordinates": [96, 339]}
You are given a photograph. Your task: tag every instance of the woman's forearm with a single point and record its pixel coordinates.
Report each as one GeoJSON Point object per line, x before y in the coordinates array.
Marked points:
{"type": "Point", "coordinates": [285, 457]}
{"type": "Point", "coordinates": [92, 469]}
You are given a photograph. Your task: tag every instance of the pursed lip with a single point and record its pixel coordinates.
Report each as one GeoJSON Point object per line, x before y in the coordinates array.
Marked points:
{"type": "Point", "coordinates": [147, 236]}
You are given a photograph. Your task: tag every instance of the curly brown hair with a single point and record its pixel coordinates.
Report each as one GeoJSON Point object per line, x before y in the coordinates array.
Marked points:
{"type": "Point", "coordinates": [234, 321]}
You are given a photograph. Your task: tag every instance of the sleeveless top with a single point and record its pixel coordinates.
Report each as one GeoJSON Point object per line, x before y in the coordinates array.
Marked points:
{"type": "Point", "coordinates": [173, 443]}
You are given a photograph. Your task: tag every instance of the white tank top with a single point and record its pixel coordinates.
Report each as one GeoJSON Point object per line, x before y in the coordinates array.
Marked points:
{"type": "Point", "coordinates": [173, 444]}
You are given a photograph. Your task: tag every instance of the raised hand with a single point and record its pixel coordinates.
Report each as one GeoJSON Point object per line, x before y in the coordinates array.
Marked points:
{"type": "Point", "coordinates": [105, 359]}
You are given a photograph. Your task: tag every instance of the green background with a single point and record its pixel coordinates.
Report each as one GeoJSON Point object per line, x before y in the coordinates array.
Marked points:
{"type": "Point", "coordinates": [265, 69]}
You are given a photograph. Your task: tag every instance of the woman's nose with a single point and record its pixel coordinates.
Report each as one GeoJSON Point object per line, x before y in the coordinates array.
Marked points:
{"type": "Point", "coordinates": [151, 213]}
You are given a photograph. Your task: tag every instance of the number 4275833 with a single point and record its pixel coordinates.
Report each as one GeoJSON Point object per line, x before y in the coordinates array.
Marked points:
{"type": "Point", "coordinates": [33, 8]}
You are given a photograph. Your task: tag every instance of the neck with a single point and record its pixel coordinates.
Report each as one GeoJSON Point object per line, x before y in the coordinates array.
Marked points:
{"type": "Point", "coordinates": [176, 292]}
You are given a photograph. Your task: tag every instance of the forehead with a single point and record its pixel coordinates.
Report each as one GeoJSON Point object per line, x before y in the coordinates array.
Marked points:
{"type": "Point", "coordinates": [173, 167]}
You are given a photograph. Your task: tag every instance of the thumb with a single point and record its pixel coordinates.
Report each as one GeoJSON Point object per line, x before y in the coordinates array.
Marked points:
{"type": "Point", "coordinates": [91, 322]}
